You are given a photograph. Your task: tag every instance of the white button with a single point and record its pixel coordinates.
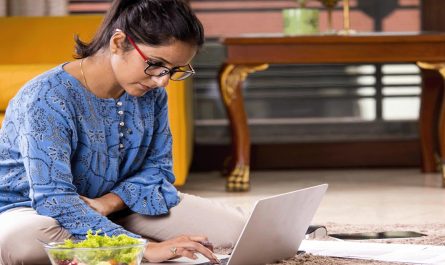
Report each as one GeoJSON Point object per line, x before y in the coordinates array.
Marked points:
{"type": "Point", "coordinates": [119, 103]}
{"type": "Point", "coordinates": [121, 112]}
{"type": "Point", "coordinates": [122, 124]}
{"type": "Point", "coordinates": [121, 135]}
{"type": "Point", "coordinates": [121, 146]}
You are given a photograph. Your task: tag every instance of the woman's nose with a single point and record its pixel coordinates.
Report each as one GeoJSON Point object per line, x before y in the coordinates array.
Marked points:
{"type": "Point", "coordinates": [161, 81]}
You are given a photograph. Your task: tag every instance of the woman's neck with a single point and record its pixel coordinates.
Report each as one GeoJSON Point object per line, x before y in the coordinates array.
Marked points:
{"type": "Point", "coordinates": [98, 76]}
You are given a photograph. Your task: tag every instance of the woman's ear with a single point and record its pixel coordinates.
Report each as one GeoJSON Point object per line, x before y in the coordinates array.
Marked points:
{"type": "Point", "coordinates": [117, 42]}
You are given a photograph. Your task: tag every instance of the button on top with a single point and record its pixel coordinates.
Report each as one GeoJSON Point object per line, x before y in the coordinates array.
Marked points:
{"type": "Point", "coordinates": [121, 112]}
{"type": "Point", "coordinates": [122, 124]}
{"type": "Point", "coordinates": [119, 103]}
{"type": "Point", "coordinates": [121, 146]}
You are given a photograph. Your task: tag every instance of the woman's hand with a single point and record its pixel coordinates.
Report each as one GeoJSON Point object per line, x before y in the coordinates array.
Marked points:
{"type": "Point", "coordinates": [185, 246]}
{"type": "Point", "coordinates": [96, 204]}
{"type": "Point", "coordinates": [105, 205]}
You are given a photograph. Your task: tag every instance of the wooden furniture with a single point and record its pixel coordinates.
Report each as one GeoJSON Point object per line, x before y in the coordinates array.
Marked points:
{"type": "Point", "coordinates": [247, 54]}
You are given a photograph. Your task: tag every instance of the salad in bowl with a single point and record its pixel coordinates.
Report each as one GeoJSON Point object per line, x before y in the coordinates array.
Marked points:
{"type": "Point", "coordinates": [97, 250]}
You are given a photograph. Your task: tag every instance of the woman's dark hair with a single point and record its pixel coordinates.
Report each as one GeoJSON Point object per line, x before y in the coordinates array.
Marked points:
{"type": "Point", "coordinates": [151, 22]}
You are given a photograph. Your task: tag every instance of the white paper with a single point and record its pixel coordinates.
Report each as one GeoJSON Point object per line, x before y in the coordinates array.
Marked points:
{"type": "Point", "coordinates": [416, 254]}
{"type": "Point", "coordinates": [201, 259]}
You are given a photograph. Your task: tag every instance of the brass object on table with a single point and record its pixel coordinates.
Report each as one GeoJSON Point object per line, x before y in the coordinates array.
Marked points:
{"type": "Point", "coordinates": [330, 5]}
{"type": "Point", "coordinates": [346, 18]}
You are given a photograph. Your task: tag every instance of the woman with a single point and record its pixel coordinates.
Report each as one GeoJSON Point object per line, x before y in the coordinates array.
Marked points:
{"type": "Point", "coordinates": [87, 144]}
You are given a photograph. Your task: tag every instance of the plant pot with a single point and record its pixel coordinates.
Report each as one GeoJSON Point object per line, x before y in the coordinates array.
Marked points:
{"type": "Point", "coordinates": [300, 21]}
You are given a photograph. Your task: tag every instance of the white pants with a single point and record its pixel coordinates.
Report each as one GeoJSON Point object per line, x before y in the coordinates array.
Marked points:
{"type": "Point", "coordinates": [21, 227]}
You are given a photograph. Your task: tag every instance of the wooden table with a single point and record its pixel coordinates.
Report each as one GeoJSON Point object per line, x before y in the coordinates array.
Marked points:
{"type": "Point", "coordinates": [248, 54]}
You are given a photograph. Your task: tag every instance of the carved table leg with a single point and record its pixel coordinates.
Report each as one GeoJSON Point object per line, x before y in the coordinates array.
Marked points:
{"type": "Point", "coordinates": [442, 127]}
{"type": "Point", "coordinates": [432, 117]}
{"type": "Point", "coordinates": [432, 87]}
{"type": "Point", "coordinates": [231, 80]}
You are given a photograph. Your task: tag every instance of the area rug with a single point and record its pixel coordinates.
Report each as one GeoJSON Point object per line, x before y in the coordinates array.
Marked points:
{"type": "Point", "coordinates": [435, 236]}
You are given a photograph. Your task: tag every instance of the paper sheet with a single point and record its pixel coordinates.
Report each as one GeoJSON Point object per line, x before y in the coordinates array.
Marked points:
{"type": "Point", "coordinates": [416, 254]}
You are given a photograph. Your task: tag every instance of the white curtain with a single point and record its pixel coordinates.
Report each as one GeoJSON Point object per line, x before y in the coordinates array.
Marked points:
{"type": "Point", "coordinates": [33, 7]}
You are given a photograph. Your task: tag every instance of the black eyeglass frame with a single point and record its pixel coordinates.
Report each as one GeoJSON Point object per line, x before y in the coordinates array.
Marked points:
{"type": "Point", "coordinates": [167, 70]}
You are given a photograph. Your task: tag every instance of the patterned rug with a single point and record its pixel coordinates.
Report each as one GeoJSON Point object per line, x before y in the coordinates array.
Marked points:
{"type": "Point", "coordinates": [435, 236]}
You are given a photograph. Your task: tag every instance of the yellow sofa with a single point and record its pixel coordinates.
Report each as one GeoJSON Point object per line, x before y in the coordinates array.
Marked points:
{"type": "Point", "coordinates": [32, 45]}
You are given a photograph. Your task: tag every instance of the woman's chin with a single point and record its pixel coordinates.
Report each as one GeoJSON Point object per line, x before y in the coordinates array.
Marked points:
{"type": "Point", "coordinates": [139, 92]}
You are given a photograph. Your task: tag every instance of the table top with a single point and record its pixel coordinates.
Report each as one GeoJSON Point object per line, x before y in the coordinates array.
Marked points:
{"type": "Point", "coordinates": [274, 38]}
{"type": "Point", "coordinates": [356, 48]}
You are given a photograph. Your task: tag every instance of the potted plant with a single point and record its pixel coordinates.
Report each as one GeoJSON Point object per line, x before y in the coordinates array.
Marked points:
{"type": "Point", "coordinates": [300, 20]}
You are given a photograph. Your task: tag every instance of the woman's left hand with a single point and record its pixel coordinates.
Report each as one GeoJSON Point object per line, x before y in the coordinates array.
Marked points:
{"type": "Point", "coordinates": [97, 205]}
{"type": "Point", "coordinates": [105, 205]}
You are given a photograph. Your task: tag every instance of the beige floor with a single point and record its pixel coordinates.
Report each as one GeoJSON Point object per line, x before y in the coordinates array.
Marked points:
{"type": "Point", "coordinates": [368, 196]}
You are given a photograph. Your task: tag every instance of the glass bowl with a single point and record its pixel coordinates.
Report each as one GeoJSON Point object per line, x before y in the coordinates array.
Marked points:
{"type": "Point", "coordinates": [114, 255]}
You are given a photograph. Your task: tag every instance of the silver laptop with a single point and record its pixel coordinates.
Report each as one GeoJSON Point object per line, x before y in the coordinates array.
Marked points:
{"type": "Point", "coordinates": [275, 228]}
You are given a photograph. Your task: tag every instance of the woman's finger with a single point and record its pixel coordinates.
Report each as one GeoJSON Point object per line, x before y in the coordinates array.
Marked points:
{"type": "Point", "coordinates": [186, 253]}
{"type": "Point", "coordinates": [202, 240]}
{"type": "Point", "coordinates": [198, 247]}
{"type": "Point", "coordinates": [198, 238]}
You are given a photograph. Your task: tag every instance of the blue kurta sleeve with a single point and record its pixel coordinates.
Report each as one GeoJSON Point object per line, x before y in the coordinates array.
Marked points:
{"type": "Point", "coordinates": [46, 142]}
{"type": "Point", "coordinates": [150, 190]}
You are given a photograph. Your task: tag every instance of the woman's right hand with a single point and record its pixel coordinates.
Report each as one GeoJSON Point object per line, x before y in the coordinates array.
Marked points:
{"type": "Point", "coordinates": [183, 246]}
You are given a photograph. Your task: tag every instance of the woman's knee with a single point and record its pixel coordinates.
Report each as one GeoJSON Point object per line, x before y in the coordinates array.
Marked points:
{"type": "Point", "coordinates": [222, 223]}
{"type": "Point", "coordinates": [19, 238]}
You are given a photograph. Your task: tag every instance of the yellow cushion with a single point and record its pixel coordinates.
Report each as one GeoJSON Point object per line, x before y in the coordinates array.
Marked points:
{"type": "Point", "coordinates": [36, 40]}
{"type": "Point", "coordinates": [181, 124]}
{"type": "Point", "coordinates": [14, 76]}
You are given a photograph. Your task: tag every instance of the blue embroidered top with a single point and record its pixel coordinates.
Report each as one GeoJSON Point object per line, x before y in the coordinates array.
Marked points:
{"type": "Point", "coordinates": [59, 141]}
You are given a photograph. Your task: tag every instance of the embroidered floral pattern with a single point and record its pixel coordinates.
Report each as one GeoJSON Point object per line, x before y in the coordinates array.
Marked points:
{"type": "Point", "coordinates": [58, 141]}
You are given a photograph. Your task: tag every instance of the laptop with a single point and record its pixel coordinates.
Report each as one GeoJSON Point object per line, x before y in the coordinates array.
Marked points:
{"type": "Point", "coordinates": [274, 230]}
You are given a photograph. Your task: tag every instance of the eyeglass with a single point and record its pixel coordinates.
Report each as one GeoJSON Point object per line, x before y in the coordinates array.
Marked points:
{"type": "Point", "coordinates": [154, 69]}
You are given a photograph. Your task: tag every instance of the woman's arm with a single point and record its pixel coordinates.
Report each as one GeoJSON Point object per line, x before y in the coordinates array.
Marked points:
{"type": "Point", "coordinates": [46, 143]}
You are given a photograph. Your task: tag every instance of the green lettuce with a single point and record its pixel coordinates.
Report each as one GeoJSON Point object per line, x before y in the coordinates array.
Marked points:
{"type": "Point", "coordinates": [76, 250]}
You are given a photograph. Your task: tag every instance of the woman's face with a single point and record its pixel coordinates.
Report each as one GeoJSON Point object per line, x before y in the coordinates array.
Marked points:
{"type": "Point", "coordinates": [129, 66]}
